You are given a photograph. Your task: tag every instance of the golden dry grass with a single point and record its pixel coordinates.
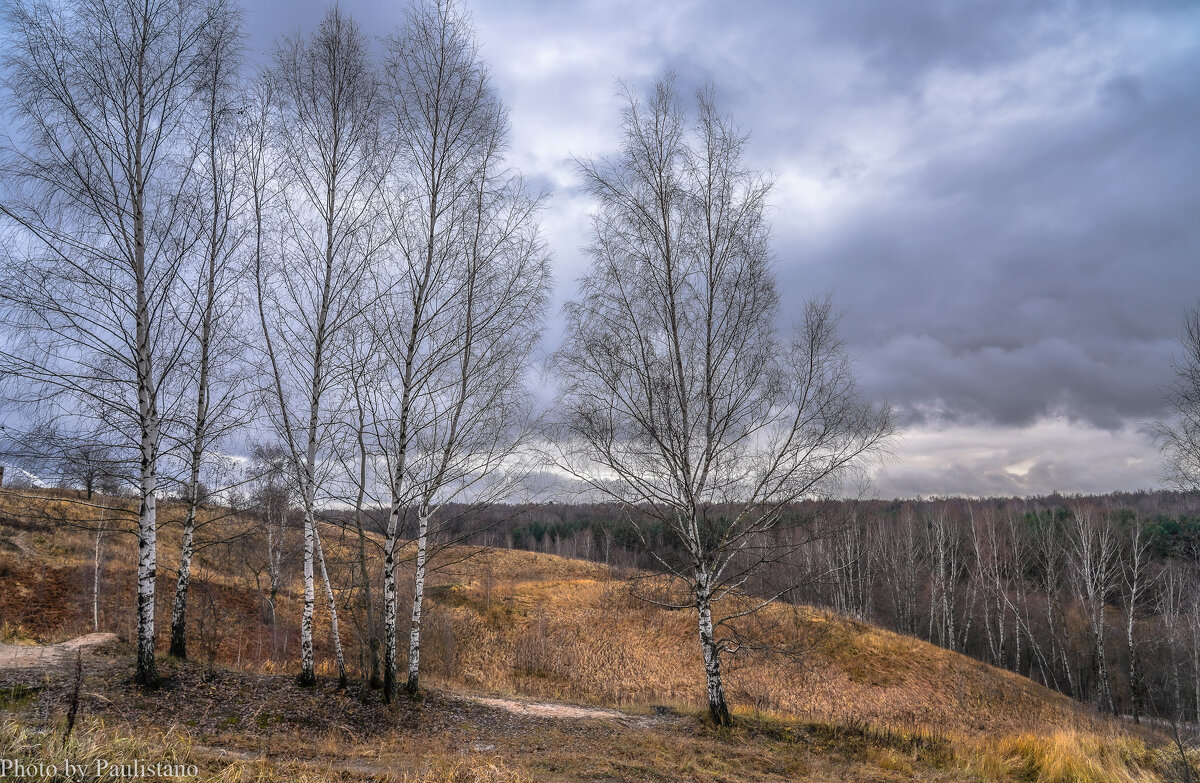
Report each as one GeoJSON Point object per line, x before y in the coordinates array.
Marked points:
{"type": "Point", "coordinates": [871, 704]}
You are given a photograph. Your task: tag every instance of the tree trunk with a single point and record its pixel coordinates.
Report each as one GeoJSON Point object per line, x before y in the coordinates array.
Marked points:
{"type": "Point", "coordinates": [717, 706]}
{"type": "Point", "coordinates": [1102, 666]}
{"type": "Point", "coordinates": [389, 610]}
{"type": "Point", "coordinates": [179, 610]}
{"type": "Point", "coordinates": [96, 578]}
{"type": "Point", "coordinates": [414, 639]}
{"type": "Point", "coordinates": [333, 618]}
{"type": "Point", "coordinates": [374, 680]}
{"type": "Point", "coordinates": [147, 671]}
{"type": "Point", "coordinates": [273, 567]}
{"type": "Point", "coordinates": [201, 424]}
{"type": "Point", "coordinates": [308, 674]}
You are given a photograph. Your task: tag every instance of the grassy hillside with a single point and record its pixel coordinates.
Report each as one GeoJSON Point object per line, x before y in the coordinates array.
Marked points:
{"type": "Point", "coordinates": [858, 702]}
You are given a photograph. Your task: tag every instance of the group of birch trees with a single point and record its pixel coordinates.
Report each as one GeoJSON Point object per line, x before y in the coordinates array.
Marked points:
{"type": "Point", "coordinates": [331, 250]}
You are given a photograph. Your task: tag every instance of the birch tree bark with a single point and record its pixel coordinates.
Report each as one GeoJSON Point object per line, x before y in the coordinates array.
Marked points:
{"type": "Point", "coordinates": [333, 617]}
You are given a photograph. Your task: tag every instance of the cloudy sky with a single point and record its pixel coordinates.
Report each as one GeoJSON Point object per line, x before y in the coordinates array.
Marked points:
{"type": "Point", "coordinates": [1003, 196]}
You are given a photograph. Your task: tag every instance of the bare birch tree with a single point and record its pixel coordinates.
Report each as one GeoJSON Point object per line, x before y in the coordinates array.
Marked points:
{"type": "Point", "coordinates": [272, 499]}
{"type": "Point", "coordinates": [1138, 581]}
{"type": "Point", "coordinates": [360, 462]}
{"type": "Point", "coordinates": [1095, 569]}
{"type": "Point", "coordinates": [681, 398]}
{"type": "Point", "coordinates": [464, 315]}
{"type": "Point", "coordinates": [103, 91]}
{"type": "Point", "coordinates": [1178, 435]}
{"type": "Point", "coordinates": [215, 360]}
{"type": "Point", "coordinates": [988, 573]}
{"type": "Point", "coordinates": [326, 135]}
{"type": "Point", "coordinates": [944, 551]}
{"type": "Point", "coordinates": [901, 570]}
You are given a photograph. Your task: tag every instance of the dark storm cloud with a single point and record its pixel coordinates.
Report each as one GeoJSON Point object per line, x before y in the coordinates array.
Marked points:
{"type": "Point", "coordinates": [1034, 254]}
{"type": "Point", "coordinates": [1003, 196]}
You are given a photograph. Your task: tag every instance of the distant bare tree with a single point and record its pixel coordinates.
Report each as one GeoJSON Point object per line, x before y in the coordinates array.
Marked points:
{"type": "Point", "coordinates": [1095, 570]}
{"type": "Point", "coordinates": [103, 92]}
{"type": "Point", "coordinates": [988, 575]}
{"type": "Point", "coordinates": [853, 561]}
{"type": "Point", "coordinates": [1178, 436]}
{"type": "Point", "coordinates": [271, 500]}
{"type": "Point", "coordinates": [943, 549]}
{"type": "Point", "coordinates": [901, 569]}
{"type": "Point", "coordinates": [75, 452]}
{"type": "Point", "coordinates": [681, 398]}
{"type": "Point", "coordinates": [1134, 565]}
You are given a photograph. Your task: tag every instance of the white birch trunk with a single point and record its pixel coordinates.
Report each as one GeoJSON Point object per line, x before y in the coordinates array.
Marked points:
{"type": "Point", "coordinates": [96, 577]}
{"type": "Point", "coordinates": [147, 672]}
{"type": "Point", "coordinates": [307, 667]}
{"type": "Point", "coordinates": [333, 618]}
{"type": "Point", "coordinates": [274, 562]}
{"type": "Point", "coordinates": [308, 674]}
{"type": "Point", "coordinates": [389, 604]}
{"type": "Point", "coordinates": [414, 638]}
{"type": "Point", "coordinates": [717, 706]}
{"type": "Point", "coordinates": [390, 608]}
{"type": "Point", "coordinates": [201, 425]}
{"type": "Point", "coordinates": [179, 609]}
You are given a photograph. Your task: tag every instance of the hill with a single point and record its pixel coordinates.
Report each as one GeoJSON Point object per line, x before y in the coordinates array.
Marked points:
{"type": "Point", "coordinates": [539, 667]}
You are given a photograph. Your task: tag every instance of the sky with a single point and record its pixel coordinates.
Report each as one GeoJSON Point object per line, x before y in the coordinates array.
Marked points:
{"type": "Point", "coordinates": [1002, 196]}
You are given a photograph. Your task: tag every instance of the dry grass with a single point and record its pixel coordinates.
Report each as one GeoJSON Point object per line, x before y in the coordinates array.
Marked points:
{"type": "Point", "coordinates": [44, 754]}
{"type": "Point", "coordinates": [1068, 757]}
{"type": "Point", "coordinates": [860, 703]}
{"type": "Point", "coordinates": [550, 628]}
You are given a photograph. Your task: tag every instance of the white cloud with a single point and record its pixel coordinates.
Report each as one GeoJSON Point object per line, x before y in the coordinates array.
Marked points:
{"type": "Point", "coordinates": [1050, 455]}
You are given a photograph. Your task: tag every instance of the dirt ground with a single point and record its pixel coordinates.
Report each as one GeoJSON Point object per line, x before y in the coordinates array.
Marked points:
{"type": "Point", "coordinates": [37, 656]}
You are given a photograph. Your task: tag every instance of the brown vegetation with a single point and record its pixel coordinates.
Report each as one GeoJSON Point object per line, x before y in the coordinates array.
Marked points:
{"type": "Point", "coordinates": [865, 702]}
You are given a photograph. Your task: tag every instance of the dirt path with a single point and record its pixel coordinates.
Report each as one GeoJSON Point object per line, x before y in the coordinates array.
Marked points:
{"type": "Point", "coordinates": [546, 709]}
{"type": "Point", "coordinates": [20, 656]}
{"type": "Point", "coordinates": [553, 709]}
